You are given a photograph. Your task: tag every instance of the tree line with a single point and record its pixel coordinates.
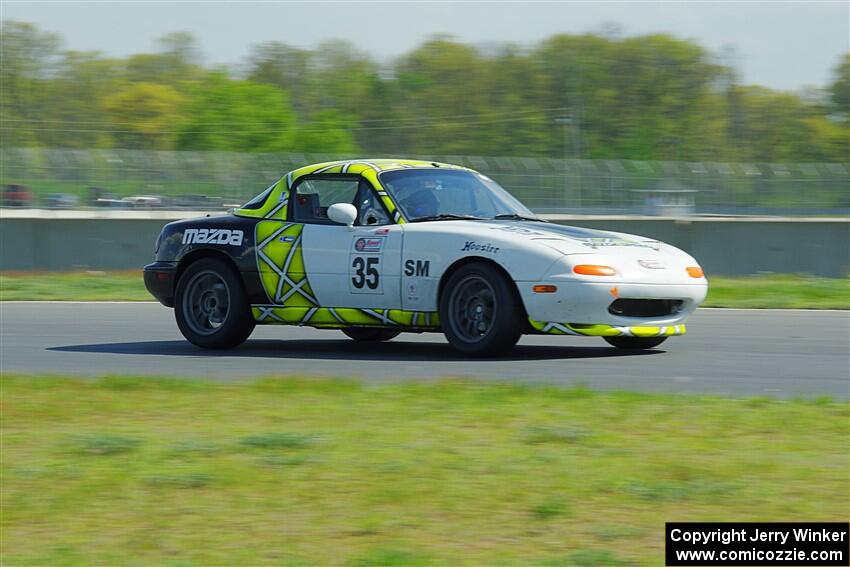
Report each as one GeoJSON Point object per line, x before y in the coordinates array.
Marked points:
{"type": "Point", "coordinates": [652, 97]}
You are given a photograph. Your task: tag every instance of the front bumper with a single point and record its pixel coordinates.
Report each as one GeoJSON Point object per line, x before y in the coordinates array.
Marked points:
{"type": "Point", "coordinates": [582, 307]}
{"type": "Point", "coordinates": [160, 278]}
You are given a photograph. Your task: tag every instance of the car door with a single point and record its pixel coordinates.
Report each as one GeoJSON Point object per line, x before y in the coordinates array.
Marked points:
{"type": "Point", "coordinates": [356, 266]}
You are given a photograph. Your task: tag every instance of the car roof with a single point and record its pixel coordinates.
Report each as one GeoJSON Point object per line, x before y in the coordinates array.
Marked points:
{"type": "Point", "coordinates": [375, 164]}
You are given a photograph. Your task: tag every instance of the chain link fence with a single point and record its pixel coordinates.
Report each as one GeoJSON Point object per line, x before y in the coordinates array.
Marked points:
{"type": "Point", "coordinates": [214, 180]}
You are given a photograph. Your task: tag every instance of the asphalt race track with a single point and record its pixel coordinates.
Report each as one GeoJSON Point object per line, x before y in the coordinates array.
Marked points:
{"type": "Point", "coordinates": [783, 353]}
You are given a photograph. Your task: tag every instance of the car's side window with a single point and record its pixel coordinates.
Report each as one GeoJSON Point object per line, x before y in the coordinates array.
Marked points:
{"type": "Point", "coordinates": [313, 196]}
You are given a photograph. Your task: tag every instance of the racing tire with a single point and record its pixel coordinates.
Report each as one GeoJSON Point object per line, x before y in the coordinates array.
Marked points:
{"type": "Point", "coordinates": [480, 311]}
{"type": "Point", "coordinates": [635, 343]}
{"type": "Point", "coordinates": [210, 305]}
{"type": "Point", "coordinates": [368, 335]}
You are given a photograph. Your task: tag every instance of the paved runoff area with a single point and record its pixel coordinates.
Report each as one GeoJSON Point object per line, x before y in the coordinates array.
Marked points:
{"type": "Point", "coordinates": [780, 353]}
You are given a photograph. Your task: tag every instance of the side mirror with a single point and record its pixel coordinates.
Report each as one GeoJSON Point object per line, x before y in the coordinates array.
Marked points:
{"type": "Point", "coordinates": [343, 213]}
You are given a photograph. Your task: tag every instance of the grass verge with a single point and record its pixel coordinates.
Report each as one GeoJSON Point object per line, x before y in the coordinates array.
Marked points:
{"type": "Point", "coordinates": [140, 471]}
{"type": "Point", "coordinates": [73, 286]}
{"type": "Point", "coordinates": [767, 291]}
{"type": "Point", "coordinates": [779, 291]}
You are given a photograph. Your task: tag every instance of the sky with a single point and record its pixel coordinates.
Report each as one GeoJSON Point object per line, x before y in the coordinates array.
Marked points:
{"type": "Point", "coordinates": [780, 44]}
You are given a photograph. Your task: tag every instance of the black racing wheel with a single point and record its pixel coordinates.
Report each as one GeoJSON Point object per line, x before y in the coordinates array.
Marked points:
{"type": "Point", "coordinates": [370, 335]}
{"type": "Point", "coordinates": [210, 305]}
{"type": "Point", "coordinates": [635, 343]}
{"type": "Point", "coordinates": [480, 311]}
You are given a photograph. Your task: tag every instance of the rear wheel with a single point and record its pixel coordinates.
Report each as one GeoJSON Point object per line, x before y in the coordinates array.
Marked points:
{"type": "Point", "coordinates": [635, 343]}
{"type": "Point", "coordinates": [210, 305]}
{"type": "Point", "coordinates": [369, 335]}
{"type": "Point", "coordinates": [480, 311]}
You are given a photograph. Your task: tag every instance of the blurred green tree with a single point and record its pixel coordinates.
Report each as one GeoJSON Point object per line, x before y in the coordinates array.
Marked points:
{"type": "Point", "coordinates": [229, 115]}
{"type": "Point", "coordinates": [328, 132]}
{"type": "Point", "coordinates": [840, 88]}
{"type": "Point", "coordinates": [75, 115]}
{"type": "Point", "coordinates": [281, 65]}
{"type": "Point", "coordinates": [29, 59]}
{"type": "Point", "coordinates": [338, 78]}
{"type": "Point", "coordinates": [144, 115]}
{"type": "Point", "coordinates": [177, 61]}
{"type": "Point", "coordinates": [442, 97]}
{"type": "Point", "coordinates": [514, 120]}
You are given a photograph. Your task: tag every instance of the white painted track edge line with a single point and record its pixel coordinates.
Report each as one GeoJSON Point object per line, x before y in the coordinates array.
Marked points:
{"type": "Point", "coordinates": [802, 309]}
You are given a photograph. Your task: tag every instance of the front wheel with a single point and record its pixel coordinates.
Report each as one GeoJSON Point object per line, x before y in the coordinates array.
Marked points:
{"type": "Point", "coordinates": [480, 311]}
{"type": "Point", "coordinates": [365, 334]}
{"type": "Point", "coordinates": [210, 305]}
{"type": "Point", "coordinates": [635, 343]}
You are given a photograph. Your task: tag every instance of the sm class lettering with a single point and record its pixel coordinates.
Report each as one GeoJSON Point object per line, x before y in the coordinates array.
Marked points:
{"type": "Point", "coordinates": [418, 268]}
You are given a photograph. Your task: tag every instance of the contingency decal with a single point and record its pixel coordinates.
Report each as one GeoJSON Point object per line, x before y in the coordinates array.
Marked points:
{"type": "Point", "coordinates": [473, 246]}
{"type": "Point", "coordinates": [605, 330]}
{"type": "Point", "coordinates": [280, 261]}
{"type": "Point", "coordinates": [369, 244]}
{"type": "Point", "coordinates": [617, 241]}
{"type": "Point", "coordinates": [338, 317]}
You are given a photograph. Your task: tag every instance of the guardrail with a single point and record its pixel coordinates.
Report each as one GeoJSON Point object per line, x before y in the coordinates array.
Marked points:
{"type": "Point", "coordinates": [214, 180]}
{"type": "Point", "coordinates": [47, 240]}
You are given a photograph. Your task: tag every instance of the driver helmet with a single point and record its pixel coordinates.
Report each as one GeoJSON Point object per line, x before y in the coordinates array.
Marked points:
{"type": "Point", "coordinates": [422, 203]}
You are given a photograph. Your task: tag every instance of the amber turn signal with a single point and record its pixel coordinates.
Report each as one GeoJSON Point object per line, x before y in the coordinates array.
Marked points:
{"type": "Point", "coordinates": [544, 289]}
{"type": "Point", "coordinates": [694, 271]}
{"type": "Point", "coordinates": [592, 270]}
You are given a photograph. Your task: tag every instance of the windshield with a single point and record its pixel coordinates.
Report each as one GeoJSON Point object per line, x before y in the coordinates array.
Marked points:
{"type": "Point", "coordinates": [431, 194]}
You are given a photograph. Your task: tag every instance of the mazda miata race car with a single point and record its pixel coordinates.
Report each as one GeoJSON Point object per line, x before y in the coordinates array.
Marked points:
{"type": "Point", "coordinates": [379, 247]}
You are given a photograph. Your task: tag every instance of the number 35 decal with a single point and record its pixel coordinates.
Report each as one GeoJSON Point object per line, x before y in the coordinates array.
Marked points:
{"type": "Point", "coordinates": [365, 273]}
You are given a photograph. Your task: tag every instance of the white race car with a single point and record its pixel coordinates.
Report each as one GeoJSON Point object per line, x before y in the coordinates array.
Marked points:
{"type": "Point", "coordinates": [380, 247]}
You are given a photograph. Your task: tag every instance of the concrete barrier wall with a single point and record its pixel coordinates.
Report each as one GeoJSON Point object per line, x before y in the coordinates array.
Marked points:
{"type": "Point", "coordinates": [731, 246]}
{"type": "Point", "coordinates": [72, 244]}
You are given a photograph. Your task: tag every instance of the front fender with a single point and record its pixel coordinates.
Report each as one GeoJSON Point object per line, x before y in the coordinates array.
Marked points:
{"type": "Point", "coordinates": [431, 249]}
{"type": "Point", "coordinates": [181, 242]}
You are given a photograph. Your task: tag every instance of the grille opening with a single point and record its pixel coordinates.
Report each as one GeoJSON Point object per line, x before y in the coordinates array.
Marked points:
{"type": "Point", "coordinates": [645, 307]}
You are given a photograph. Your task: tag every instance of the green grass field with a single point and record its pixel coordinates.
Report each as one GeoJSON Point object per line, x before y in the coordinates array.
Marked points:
{"type": "Point", "coordinates": [769, 291]}
{"type": "Point", "coordinates": [779, 291]}
{"type": "Point", "coordinates": [135, 471]}
{"type": "Point", "coordinates": [73, 286]}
